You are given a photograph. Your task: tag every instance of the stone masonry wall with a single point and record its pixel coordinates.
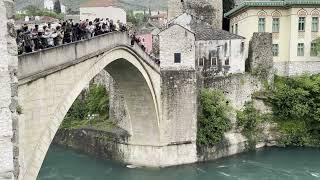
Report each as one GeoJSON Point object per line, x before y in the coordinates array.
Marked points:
{"type": "Point", "coordinates": [179, 106]}
{"type": "Point", "coordinates": [210, 11]}
{"type": "Point", "coordinates": [260, 61]}
{"type": "Point", "coordinates": [9, 165]}
{"type": "Point", "coordinates": [237, 88]}
{"type": "Point", "coordinates": [117, 105]}
{"type": "Point", "coordinates": [293, 68]}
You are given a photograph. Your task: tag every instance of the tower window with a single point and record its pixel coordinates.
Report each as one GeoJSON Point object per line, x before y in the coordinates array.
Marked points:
{"type": "Point", "coordinates": [177, 57]}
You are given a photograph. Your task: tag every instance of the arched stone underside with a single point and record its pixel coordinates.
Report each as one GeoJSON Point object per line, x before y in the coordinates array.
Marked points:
{"type": "Point", "coordinates": [45, 102]}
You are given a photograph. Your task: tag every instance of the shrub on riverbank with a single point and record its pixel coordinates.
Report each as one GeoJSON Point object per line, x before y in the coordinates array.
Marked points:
{"type": "Point", "coordinates": [249, 120]}
{"type": "Point", "coordinates": [213, 119]}
{"type": "Point", "coordinates": [91, 109]}
{"type": "Point", "coordinates": [296, 108]}
{"type": "Point", "coordinates": [295, 103]}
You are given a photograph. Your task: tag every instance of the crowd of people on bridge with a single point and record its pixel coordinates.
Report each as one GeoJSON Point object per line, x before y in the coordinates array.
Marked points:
{"type": "Point", "coordinates": [49, 35]}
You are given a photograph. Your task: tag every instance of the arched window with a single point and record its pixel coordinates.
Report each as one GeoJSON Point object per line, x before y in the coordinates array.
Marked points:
{"type": "Point", "coordinates": [262, 21]}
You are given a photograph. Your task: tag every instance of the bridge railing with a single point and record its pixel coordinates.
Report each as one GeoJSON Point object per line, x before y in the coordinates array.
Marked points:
{"type": "Point", "coordinates": [51, 59]}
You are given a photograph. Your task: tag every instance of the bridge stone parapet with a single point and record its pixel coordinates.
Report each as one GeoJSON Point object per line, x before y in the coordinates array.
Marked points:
{"type": "Point", "coordinates": [41, 63]}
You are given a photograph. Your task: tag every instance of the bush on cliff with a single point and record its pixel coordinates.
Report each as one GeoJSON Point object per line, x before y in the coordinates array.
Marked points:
{"type": "Point", "coordinates": [249, 120]}
{"type": "Point", "coordinates": [90, 108]}
{"type": "Point", "coordinates": [213, 119]}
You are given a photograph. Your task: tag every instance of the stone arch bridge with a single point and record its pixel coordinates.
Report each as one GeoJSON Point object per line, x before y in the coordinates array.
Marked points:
{"type": "Point", "coordinates": [161, 132]}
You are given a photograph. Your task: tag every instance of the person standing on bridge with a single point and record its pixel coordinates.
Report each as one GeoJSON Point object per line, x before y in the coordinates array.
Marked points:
{"type": "Point", "coordinates": [59, 36]}
{"type": "Point", "coordinates": [90, 30]}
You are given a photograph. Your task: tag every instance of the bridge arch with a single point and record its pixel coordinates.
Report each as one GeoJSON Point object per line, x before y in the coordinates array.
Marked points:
{"type": "Point", "coordinates": [47, 95]}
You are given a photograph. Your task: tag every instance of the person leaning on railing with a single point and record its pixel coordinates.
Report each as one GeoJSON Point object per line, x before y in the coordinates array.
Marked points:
{"type": "Point", "coordinates": [37, 38]}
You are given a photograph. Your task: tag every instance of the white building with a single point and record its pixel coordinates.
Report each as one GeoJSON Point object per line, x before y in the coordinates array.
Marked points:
{"type": "Point", "coordinates": [216, 51]}
{"type": "Point", "coordinates": [102, 9]}
{"type": "Point", "coordinates": [199, 46]}
{"type": "Point", "coordinates": [294, 25]}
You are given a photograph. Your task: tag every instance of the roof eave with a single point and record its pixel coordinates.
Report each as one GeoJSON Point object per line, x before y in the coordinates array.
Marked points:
{"type": "Point", "coordinates": [285, 4]}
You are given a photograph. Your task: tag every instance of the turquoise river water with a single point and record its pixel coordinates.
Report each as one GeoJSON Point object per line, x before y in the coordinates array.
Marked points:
{"type": "Point", "coordinates": [265, 164]}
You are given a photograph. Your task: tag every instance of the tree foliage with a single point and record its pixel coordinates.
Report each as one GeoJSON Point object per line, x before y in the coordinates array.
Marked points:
{"type": "Point", "coordinates": [89, 108]}
{"type": "Point", "coordinates": [34, 11]}
{"type": "Point", "coordinates": [137, 19]}
{"type": "Point", "coordinates": [296, 107]}
{"type": "Point", "coordinates": [249, 120]}
{"type": "Point", "coordinates": [57, 7]}
{"type": "Point", "coordinates": [213, 119]}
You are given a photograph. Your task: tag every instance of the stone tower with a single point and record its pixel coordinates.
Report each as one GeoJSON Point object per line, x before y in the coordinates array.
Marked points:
{"type": "Point", "coordinates": [175, 8]}
{"type": "Point", "coordinates": [210, 11]}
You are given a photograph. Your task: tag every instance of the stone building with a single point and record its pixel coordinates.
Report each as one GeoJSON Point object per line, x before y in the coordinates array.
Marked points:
{"type": "Point", "coordinates": [210, 11]}
{"type": "Point", "coordinates": [215, 52]}
{"type": "Point", "coordinates": [294, 25]}
{"type": "Point", "coordinates": [177, 48]}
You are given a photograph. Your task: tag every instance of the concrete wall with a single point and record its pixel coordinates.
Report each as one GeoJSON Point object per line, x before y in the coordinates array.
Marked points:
{"type": "Point", "coordinates": [9, 139]}
{"type": "Point", "coordinates": [113, 13]}
{"type": "Point", "coordinates": [177, 39]}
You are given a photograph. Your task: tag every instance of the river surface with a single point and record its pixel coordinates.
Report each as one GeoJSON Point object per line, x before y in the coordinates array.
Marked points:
{"type": "Point", "coordinates": [266, 164]}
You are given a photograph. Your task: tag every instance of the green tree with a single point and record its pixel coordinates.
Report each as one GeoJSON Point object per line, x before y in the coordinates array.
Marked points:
{"type": "Point", "coordinates": [57, 7]}
{"type": "Point", "coordinates": [93, 103]}
{"type": "Point", "coordinates": [296, 108]}
{"type": "Point", "coordinates": [213, 119]}
{"type": "Point", "coordinates": [32, 10]}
